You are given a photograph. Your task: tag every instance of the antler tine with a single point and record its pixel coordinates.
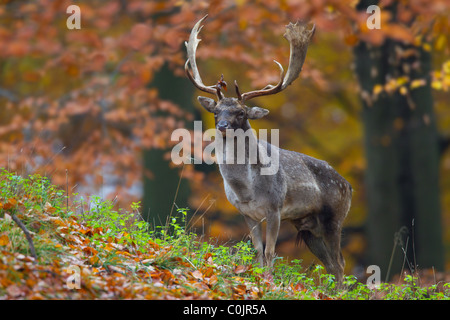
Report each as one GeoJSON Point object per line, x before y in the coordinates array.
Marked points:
{"type": "Point", "coordinates": [269, 89]}
{"type": "Point", "coordinates": [238, 93]}
{"type": "Point", "coordinates": [299, 37]}
{"type": "Point", "coordinates": [191, 47]}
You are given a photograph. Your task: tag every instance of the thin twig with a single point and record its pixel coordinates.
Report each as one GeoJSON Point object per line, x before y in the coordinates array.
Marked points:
{"type": "Point", "coordinates": [414, 252]}
{"type": "Point", "coordinates": [204, 199]}
{"type": "Point", "coordinates": [391, 260]}
{"type": "Point", "coordinates": [176, 194]}
{"type": "Point", "coordinates": [190, 220]}
{"type": "Point", "coordinates": [405, 258]}
{"type": "Point", "coordinates": [67, 190]}
{"type": "Point", "coordinates": [27, 234]}
{"type": "Point", "coordinates": [434, 275]}
{"type": "Point", "coordinates": [201, 217]}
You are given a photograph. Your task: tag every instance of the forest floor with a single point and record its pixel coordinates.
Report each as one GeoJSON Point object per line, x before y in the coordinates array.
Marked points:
{"type": "Point", "coordinates": [91, 251]}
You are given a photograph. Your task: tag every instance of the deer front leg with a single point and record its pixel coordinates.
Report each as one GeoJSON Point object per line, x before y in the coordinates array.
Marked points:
{"type": "Point", "coordinates": [273, 226]}
{"type": "Point", "coordinates": [256, 235]}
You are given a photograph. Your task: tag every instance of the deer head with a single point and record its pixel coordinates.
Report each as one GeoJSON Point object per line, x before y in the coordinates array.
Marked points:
{"type": "Point", "coordinates": [232, 113]}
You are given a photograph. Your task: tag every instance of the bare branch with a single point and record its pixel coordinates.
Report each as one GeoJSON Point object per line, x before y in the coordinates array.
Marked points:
{"type": "Point", "coordinates": [27, 234]}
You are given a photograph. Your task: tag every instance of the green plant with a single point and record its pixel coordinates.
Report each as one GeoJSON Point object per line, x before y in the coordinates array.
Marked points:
{"type": "Point", "coordinates": [117, 243]}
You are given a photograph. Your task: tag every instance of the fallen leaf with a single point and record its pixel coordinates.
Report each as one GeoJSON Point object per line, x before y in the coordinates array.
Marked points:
{"type": "Point", "coordinates": [4, 240]}
{"type": "Point", "coordinates": [11, 203]}
{"type": "Point", "coordinates": [240, 269]}
{"type": "Point", "coordinates": [48, 208]}
{"type": "Point", "coordinates": [207, 255]}
{"type": "Point", "coordinates": [13, 290]}
{"type": "Point", "coordinates": [124, 253]}
{"type": "Point", "coordinates": [320, 295]}
{"type": "Point", "coordinates": [197, 275]}
{"type": "Point", "coordinates": [299, 287]}
{"type": "Point", "coordinates": [208, 272]}
{"type": "Point", "coordinates": [240, 289]}
{"type": "Point", "coordinates": [116, 270]}
{"type": "Point", "coordinates": [213, 280]}
{"type": "Point", "coordinates": [89, 250]}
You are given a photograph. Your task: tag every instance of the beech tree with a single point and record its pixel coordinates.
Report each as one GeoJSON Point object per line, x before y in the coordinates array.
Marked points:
{"type": "Point", "coordinates": [402, 147]}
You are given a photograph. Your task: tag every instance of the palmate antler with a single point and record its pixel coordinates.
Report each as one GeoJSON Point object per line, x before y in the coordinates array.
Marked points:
{"type": "Point", "coordinates": [191, 47]}
{"type": "Point", "coordinates": [298, 36]}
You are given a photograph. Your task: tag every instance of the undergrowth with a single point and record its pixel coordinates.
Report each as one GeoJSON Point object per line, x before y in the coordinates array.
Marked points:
{"type": "Point", "coordinates": [118, 255]}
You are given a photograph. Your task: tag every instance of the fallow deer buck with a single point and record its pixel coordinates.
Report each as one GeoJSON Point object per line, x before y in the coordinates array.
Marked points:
{"type": "Point", "coordinates": [305, 191]}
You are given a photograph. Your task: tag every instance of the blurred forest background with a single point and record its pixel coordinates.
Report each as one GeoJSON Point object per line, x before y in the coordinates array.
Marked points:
{"type": "Point", "coordinates": [94, 109]}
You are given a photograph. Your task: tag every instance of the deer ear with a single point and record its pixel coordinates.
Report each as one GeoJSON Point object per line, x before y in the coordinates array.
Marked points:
{"type": "Point", "coordinates": [256, 112]}
{"type": "Point", "coordinates": [207, 103]}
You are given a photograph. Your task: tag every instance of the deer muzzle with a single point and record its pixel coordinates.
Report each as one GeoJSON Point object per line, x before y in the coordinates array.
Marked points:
{"type": "Point", "coordinates": [223, 125]}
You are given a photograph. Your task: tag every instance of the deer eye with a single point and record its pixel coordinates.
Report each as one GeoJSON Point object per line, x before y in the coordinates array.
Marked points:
{"type": "Point", "coordinates": [241, 113]}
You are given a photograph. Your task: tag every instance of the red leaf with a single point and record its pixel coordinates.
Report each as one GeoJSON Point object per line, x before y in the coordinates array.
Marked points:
{"type": "Point", "coordinates": [240, 269]}
{"type": "Point", "coordinates": [207, 255]}
{"type": "Point", "coordinates": [11, 203]}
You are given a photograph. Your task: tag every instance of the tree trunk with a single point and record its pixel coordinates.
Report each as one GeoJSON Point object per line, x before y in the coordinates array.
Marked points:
{"type": "Point", "coordinates": [160, 186]}
{"type": "Point", "coordinates": [402, 151]}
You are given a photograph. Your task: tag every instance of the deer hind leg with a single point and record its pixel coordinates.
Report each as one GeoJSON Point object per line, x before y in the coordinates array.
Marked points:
{"type": "Point", "coordinates": [327, 251]}
{"type": "Point", "coordinates": [322, 235]}
{"type": "Point", "coordinates": [331, 235]}
{"type": "Point", "coordinates": [332, 243]}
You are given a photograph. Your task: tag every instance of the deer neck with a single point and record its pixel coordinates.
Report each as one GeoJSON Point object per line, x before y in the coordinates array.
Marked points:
{"type": "Point", "coordinates": [239, 148]}
{"type": "Point", "coordinates": [239, 157]}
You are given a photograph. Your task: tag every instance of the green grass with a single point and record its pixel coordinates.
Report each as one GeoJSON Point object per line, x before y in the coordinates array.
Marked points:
{"type": "Point", "coordinates": [122, 256]}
